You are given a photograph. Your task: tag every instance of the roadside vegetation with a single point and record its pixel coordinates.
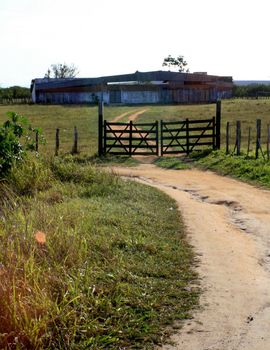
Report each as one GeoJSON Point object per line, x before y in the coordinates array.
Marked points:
{"type": "Point", "coordinates": [255, 171]}
{"type": "Point", "coordinates": [88, 260]}
{"type": "Point", "coordinates": [249, 169]}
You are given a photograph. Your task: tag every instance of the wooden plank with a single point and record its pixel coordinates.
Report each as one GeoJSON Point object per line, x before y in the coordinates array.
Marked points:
{"type": "Point", "coordinates": [238, 137]}
{"type": "Point", "coordinates": [210, 128]}
{"type": "Point", "coordinates": [157, 143]}
{"type": "Point", "coordinates": [213, 135]}
{"type": "Point", "coordinates": [191, 121]}
{"type": "Point", "coordinates": [133, 146]}
{"type": "Point", "coordinates": [126, 153]}
{"type": "Point", "coordinates": [75, 141]}
{"type": "Point", "coordinates": [126, 138]}
{"type": "Point", "coordinates": [173, 152]}
{"type": "Point", "coordinates": [130, 139]}
{"type": "Point", "coordinates": [127, 124]}
{"type": "Point", "coordinates": [120, 131]}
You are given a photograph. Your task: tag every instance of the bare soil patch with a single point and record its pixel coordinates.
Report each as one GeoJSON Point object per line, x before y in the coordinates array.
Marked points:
{"type": "Point", "coordinates": [228, 224]}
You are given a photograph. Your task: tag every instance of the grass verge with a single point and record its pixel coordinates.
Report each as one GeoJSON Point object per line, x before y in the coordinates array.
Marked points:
{"type": "Point", "coordinates": [256, 171]}
{"type": "Point", "coordinates": [176, 163]}
{"type": "Point", "coordinates": [249, 169]}
{"type": "Point", "coordinates": [88, 260]}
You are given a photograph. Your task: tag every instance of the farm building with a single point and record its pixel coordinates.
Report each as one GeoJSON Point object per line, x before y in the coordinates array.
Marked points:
{"type": "Point", "coordinates": [136, 88]}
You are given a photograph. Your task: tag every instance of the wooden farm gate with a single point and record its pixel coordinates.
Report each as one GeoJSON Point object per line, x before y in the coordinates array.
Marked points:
{"type": "Point", "coordinates": [187, 135]}
{"type": "Point", "coordinates": [143, 138]}
{"type": "Point", "coordinates": [130, 138]}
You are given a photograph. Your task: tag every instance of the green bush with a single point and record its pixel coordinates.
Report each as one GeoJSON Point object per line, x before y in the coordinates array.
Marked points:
{"type": "Point", "coordinates": [16, 137]}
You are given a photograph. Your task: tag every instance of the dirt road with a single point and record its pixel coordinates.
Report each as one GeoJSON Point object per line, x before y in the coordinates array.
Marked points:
{"type": "Point", "coordinates": [228, 224]}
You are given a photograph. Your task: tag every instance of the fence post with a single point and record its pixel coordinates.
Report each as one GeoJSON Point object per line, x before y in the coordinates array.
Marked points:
{"type": "Point", "coordinates": [100, 128]}
{"type": "Point", "coordinates": [238, 138]}
{"type": "Point", "coordinates": [57, 142]}
{"type": "Point", "coordinates": [213, 133]}
{"type": "Point", "coordinates": [187, 135]}
{"type": "Point", "coordinates": [258, 137]}
{"type": "Point", "coordinates": [157, 144]}
{"type": "Point", "coordinates": [218, 123]}
{"type": "Point", "coordinates": [227, 137]}
{"type": "Point", "coordinates": [130, 138]}
{"type": "Point", "coordinates": [161, 138]}
{"type": "Point", "coordinates": [75, 144]}
{"type": "Point", "coordinates": [36, 146]}
{"type": "Point", "coordinates": [249, 136]}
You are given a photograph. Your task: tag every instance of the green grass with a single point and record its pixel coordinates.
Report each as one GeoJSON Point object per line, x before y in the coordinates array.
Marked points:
{"type": "Point", "coordinates": [50, 117]}
{"type": "Point", "coordinates": [255, 171]}
{"type": "Point", "coordinates": [85, 118]}
{"type": "Point", "coordinates": [115, 268]}
{"type": "Point", "coordinates": [176, 163]}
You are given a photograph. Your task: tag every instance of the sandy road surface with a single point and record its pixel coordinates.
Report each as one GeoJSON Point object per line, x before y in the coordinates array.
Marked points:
{"type": "Point", "coordinates": [228, 224]}
{"type": "Point", "coordinates": [132, 115]}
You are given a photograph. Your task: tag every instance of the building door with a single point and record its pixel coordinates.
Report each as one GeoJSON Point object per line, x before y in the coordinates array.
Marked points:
{"type": "Point", "coordinates": [115, 96]}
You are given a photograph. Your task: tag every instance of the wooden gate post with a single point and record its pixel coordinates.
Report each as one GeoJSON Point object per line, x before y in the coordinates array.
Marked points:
{"type": "Point", "coordinates": [228, 138]}
{"type": "Point", "coordinates": [218, 123]}
{"type": "Point", "coordinates": [100, 128]}
{"type": "Point", "coordinates": [130, 137]}
{"type": "Point", "coordinates": [75, 142]}
{"type": "Point", "coordinates": [258, 137]}
{"type": "Point", "coordinates": [187, 135]}
{"type": "Point", "coordinates": [213, 133]}
{"type": "Point", "coordinates": [57, 141]}
{"type": "Point", "coordinates": [157, 143]}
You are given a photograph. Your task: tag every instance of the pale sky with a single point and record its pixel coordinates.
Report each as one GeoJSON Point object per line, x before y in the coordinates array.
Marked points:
{"type": "Point", "coordinates": [107, 37]}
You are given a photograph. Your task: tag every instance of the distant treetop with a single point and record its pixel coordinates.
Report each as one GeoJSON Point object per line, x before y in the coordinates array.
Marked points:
{"type": "Point", "coordinates": [60, 70]}
{"type": "Point", "coordinates": [178, 62]}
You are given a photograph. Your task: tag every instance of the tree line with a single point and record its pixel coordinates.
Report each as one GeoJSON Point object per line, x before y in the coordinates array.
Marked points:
{"type": "Point", "coordinates": [251, 91]}
{"type": "Point", "coordinates": [14, 92]}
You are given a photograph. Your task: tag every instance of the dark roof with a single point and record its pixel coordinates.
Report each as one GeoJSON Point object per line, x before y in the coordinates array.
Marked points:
{"type": "Point", "coordinates": [46, 83]}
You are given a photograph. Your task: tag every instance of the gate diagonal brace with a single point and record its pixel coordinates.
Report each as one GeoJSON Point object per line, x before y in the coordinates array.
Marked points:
{"type": "Point", "coordinates": [199, 136]}
{"type": "Point", "coordinates": [117, 138]}
{"type": "Point", "coordinates": [174, 138]}
{"type": "Point", "coordinates": [143, 138]}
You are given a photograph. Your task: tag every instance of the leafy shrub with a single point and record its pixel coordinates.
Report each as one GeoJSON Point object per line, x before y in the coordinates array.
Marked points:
{"type": "Point", "coordinates": [15, 139]}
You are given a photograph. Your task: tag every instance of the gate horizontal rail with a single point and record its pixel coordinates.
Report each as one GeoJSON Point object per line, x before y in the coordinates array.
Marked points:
{"type": "Point", "coordinates": [131, 138]}
{"type": "Point", "coordinates": [187, 135]}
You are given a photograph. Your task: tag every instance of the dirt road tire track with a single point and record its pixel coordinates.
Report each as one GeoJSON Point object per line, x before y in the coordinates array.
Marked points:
{"type": "Point", "coordinates": [228, 224]}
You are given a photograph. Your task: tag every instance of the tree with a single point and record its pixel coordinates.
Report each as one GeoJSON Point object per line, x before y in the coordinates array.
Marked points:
{"type": "Point", "coordinates": [60, 70]}
{"type": "Point", "coordinates": [178, 62]}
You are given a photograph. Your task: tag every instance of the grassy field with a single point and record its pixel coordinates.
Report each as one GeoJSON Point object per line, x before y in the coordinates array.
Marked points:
{"type": "Point", "coordinates": [85, 118]}
{"type": "Point", "coordinates": [88, 260]}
